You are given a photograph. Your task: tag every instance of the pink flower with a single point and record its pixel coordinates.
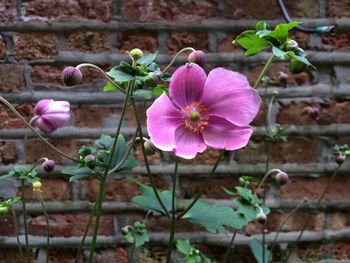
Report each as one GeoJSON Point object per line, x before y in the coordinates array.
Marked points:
{"type": "Point", "coordinates": [203, 111]}
{"type": "Point", "coordinates": [51, 115]}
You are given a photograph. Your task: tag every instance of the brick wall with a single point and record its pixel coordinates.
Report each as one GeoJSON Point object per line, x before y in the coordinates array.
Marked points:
{"type": "Point", "coordinates": [39, 37]}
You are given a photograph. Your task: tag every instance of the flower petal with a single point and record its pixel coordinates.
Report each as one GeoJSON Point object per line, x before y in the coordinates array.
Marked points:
{"type": "Point", "coordinates": [41, 106]}
{"type": "Point", "coordinates": [45, 125]}
{"type": "Point", "coordinates": [187, 84]}
{"type": "Point", "coordinates": [222, 134]}
{"type": "Point", "coordinates": [57, 107]}
{"type": "Point", "coordinates": [162, 120]}
{"type": "Point", "coordinates": [188, 143]}
{"type": "Point", "coordinates": [228, 94]}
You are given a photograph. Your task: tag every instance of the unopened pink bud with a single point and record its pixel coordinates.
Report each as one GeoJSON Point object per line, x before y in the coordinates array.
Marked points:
{"type": "Point", "coordinates": [197, 57]}
{"type": "Point", "coordinates": [314, 112]}
{"type": "Point", "coordinates": [261, 218]}
{"type": "Point", "coordinates": [282, 178]}
{"type": "Point", "coordinates": [49, 165]}
{"type": "Point", "coordinates": [71, 76]}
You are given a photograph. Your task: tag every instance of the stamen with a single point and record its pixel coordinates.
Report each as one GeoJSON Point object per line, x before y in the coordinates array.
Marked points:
{"type": "Point", "coordinates": [196, 116]}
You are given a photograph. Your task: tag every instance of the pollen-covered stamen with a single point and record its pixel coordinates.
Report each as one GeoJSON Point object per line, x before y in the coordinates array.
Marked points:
{"type": "Point", "coordinates": [196, 116]}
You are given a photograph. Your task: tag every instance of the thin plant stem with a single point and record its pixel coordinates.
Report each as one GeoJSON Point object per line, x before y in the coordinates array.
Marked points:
{"type": "Point", "coordinates": [47, 224]}
{"type": "Point", "coordinates": [309, 218]}
{"type": "Point", "coordinates": [24, 210]}
{"type": "Point", "coordinates": [176, 56]}
{"type": "Point", "coordinates": [263, 72]}
{"type": "Point", "coordinates": [8, 105]}
{"type": "Point", "coordinates": [230, 247]}
{"type": "Point", "coordinates": [203, 187]}
{"type": "Point", "coordinates": [15, 226]}
{"type": "Point", "coordinates": [85, 65]}
{"type": "Point", "coordinates": [105, 174]}
{"type": "Point", "coordinates": [131, 253]}
{"type": "Point", "coordinates": [173, 213]}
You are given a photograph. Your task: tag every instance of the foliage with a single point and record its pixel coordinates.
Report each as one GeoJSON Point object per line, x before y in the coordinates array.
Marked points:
{"type": "Point", "coordinates": [190, 253]}
{"type": "Point", "coordinates": [257, 248]}
{"type": "Point", "coordinates": [137, 234]}
{"type": "Point", "coordinates": [276, 134]}
{"type": "Point", "coordinates": [25, 172]}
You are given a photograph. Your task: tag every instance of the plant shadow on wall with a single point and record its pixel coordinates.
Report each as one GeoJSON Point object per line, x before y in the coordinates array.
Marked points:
{"type": "Point", "coordinates": [190, 112]}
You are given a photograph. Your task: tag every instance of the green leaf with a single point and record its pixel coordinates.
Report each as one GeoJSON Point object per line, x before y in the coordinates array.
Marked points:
{"type": "Point", "coordinates": [120, 150]}
{"type": "Point", "coordinates": [165, 77]}
{"type": "Point", "coordinates": [109, 87]}
{"type": "Point", "coordinates": [249, 211]}
{"type": "Point", "coordinates": [147, 199]}
{"type": "Point", "coordinates": [148, 59]}
{"type": "Point", "coordinates": [280, 32]}
{"type": "Point", "coordinates": [279, 53]}
{"type": "Point", "coordinates": [119, 75]}
{"type": "Point", "coordinates": [214, 217]}
{"type": "Point", "coordinates": [158, 90]}
{"type": "Point", "coordinates": [251, 42]}
{"type": "Point", "coordinates": [257, 248]}
{"type": "Point", "coordinates": [104, 142]}
{"type": "Point", "coordinates": [143, 93]}
{"type": "Point", "coordinates": [247, 195]}
{"type": "Point", "coordinates": [183, 246]}
{"type": "Point", "coordinates": [261, 25]}
{"type": "Point", "coordinates": [6, 176]}
{"type": "Point", "coordinates": [78, 173]}
{"type": "Point", "coordinates": [10, 202]}
{"type": "Point", "coordinates": [140, 234]}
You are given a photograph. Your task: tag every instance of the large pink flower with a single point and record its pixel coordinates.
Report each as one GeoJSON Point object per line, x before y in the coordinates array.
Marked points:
{"type": "Point", "coordinates": [203, 111]}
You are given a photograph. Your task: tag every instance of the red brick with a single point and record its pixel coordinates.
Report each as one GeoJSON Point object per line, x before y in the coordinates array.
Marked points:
{"type": "Point", "coordinates": [34, 46]}
{"type": "Point", "coordinates": [10, 255]}
{"type": "Point", "coordinates": [339, 42]}
{"type": "Point", "coordinates": [331, 112]}
{"type": "Point", "coordinates": [118, 255]}
{"type": "Point", "coordinates": [254, 153]}
{"type": "Point", "coordinates": [225, 45]}
{"type": "Point", "coordinates": [293, 79]}
{"type": "Point", "coordinates": [8, 152]}
{"type": "Point", "coordinates": [311, 188]}
{"type": "Point", "coordinates": [8, 120]}
{"type": "Point", "coordinates": [51, 190]}
{"type": "Point", "coordinates": [11, 78]}
{"type": "Point", "coordinates": [146, 41]}
{"type": "Point", "coordinates": [68, 10]}
{"type": "Point", "coordinates": [310, 252]}
{"type": "Point", "coordinates": [70, 225]}
{"type": "Point", "coordinates": [120, 189]}
{"type": "Point", "coordinates": [2, 48]}
{"type": "Point", "coordinates": [59, 255]}
{"type": "Point", "coordinates": [259, 119]}
{"type": "Point", "coordinates": [301, 37]}
{"type": "Point", "coordinates": [209, 156]}
{"type": "Point", "coordinates": [301, 150]}
{"type": "Point", "coordinates": [152, 254]}
{"type": "Point", "coordinates": [341, 250]}
{"type": "Point", "coordinates": [94, 42]}
{"type": "Point", "coordinates": [336, 8]}
{"type": "Point", "coordinates": [92, 117]}
{"type": "Point", "coordinates": [252, 9]}
{"type": "Point", "coordinates": [155, 158]}
{"type": "Point", "coordinates": [7, 226]}
{"type": "Point", "coordinates": [37, 149]}
{"type": "Point", "coordinates": [177, 41]}
{"type": "Point", "coordinates": [8, 11]}
{"type": "Point", "coordinates": [147, 11]}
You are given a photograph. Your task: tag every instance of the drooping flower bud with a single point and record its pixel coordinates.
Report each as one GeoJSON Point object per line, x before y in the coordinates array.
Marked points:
{"type": "Point", "coordinates": [261, 217]}
{"type": "Point", "coordinates": [89, 160]}
{"type": "Point", "coordinates": [3, 210]}
{"type": "Point", "coordinates": [282, 178]}
{"type": "Point", "coordinates": [136, 53]}
{"type": "Point", "coordinates": [340, 159]}
{"type": "Point", "coordinates": [48, 166]}
{"type": "Point", "coordinates": [197, 57]}
{"type": "Point", "coordinates": [37, 185]}
{"type": "Point", "coordinates": [154, 76]}
{"type": "Point", "coordinates": [51, 115]}
{"type": "Point", "coordinates": [283, 78]}
{"type": "Point", "coordinates": [314, 112]}
{"type": "Point", "coordinates": [71, 76]}
{"type": "Point", "coordinates": [149, 147]}
{"type": "Point", "coordinates": [291, 45]}
{"type": "Point", "coordinates": [125, 230]}
{"type": "Point", "coordinates": [296, 66]}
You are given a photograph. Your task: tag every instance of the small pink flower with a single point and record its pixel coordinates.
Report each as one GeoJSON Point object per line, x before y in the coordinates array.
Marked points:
{"type": "Point", "coordinates": [51, 115]}
{"type": "Point", "coordinates": [203, 111]}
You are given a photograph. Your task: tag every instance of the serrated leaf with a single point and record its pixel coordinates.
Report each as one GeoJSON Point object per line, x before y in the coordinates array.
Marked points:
{"type": "Point", "coordinates": [104, 142]}
{"type": "Point", "coordinates": [140, 234]}
{"type": "Point", "coordinates": [148, 200]}
{"type": "Point", "coordinates": [119, 75]}
{"type": "Point", "coordinates": [247, 195]}
{"type": "Point", "coordinates": [252, 43]}
{"type": "Point", "coordinates": [143, 93]}
{"type": "Point", "coordinates": [148, 59]}
{"type": "Point", "coordinates": [78, 173]}
{"type": "Point", "coordinates": [214, 217]}
{"type": "Point", "coordinates": [280, 32]}
{"type": "Point", "coordinates": [109, 87]}
{"type": "Point", "coordinates": [257, 248]}
{"type": "Point", "coordinates": [249, 211]}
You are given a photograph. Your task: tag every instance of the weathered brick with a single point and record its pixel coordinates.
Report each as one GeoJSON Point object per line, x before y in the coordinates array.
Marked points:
{"type": "Point", "coordinates": [209, 156]}
{"type": "Point", "coordinates": [2, 48]}
{"type": "Point", "coordinates": [34, 46]}
{"type": "Point", "coordinates": [336, 8]}
{"type": "Point", "coordinates": [10, 255]}
{"type": "Point", "coordinates": [8, 120]}
{"type": "Point", "coordinates": [155, 158]}
{"type": "Point", "coordinates": [152, 254]}
{"type": "Point", "coordinates": [120, 189]}
{"type": "Point", "coordinates": [341, 250]}
{"type": "Point", "coordinates": [51, 190]}
{"type": "Point", "coordinates": [59, 255]}
{"type": "Point", "coordinates": [37, 149]}
{"type": "Point", "coordinates": [301, 187]}
{"type": "Point", "coordinates": [8, 152]}
{"type": "Point", "coordinates": [7, 226]}
{"type": "Point", "coordinates": [119, 255]}
{"type": "Point", "coordinates": [177, 41]}
{"type": "Point", "coordinates": [67, 226]}
{"type": "Point", "coordinates": [11, 78]}
{"type": "Point", "coordinates": [310, 252]}
{"type": "Point", "coordinates": [225, 44]}
{"type": "Point", "coordinates": [68, 10]}
{"type": "Point", "coordinates": [254, 152]}
{"type": "Point", "coordinates": [339, 42]}
{"type": "Point", "coordinates": [92, 117]}
{"type": "Point", "coordinates": [8, 11]}
{"type": "Point", "coordinates": [94, 42]}
{"type": "Point", "coordinates": [259, 119]}
{"type": "Point", "coordinates": [146, 41]}
{"type": "Point", "coordinates": [147, 11]}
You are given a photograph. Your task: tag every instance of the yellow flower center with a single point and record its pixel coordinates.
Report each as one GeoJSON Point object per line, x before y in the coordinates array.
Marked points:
{"type": "Point", "coordinates": [196, 116]}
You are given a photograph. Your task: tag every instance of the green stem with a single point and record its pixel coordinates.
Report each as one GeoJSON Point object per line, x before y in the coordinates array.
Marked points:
{"type": "Point", "coordinates": [139, 127]}
{"type": "Point", "coordinates": [229, 248]}
{"type": "Point", "coordinates": [131, 253]}
{"type": "Point", "coordinates": [310, 217]}
{"type": "Point", "coordinates": [173, 214]}
{"type": "Point", "coordinates": [47, 224]}
{"type": "Point", "coordinates": [15, 226]}
{"type": "Point", "coordinates": [176, 56]}
{"type": "Point", "coordinates": [203, 187]}
{"type": "Point", "coordinates": [24, 209]}
{"type": "Point", "coordinates": [263, 72]}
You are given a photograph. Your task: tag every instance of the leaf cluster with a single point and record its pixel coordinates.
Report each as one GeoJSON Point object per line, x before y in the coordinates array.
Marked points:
{"type": "Point", "coordinates": [190, 253]}
{"type": "Point", "coordinates": [137, 234]}
{"type": "Point", "coordinates": [25, 172]}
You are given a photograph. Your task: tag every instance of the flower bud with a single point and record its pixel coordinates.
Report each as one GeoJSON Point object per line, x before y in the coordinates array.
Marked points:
{"type": "Point", "coordinates": [314, 112]}
{"type": "Point", "coordinates": [37, 185]}
{"type": "Point", "coordinates": [282, 178]}
{"type": "Point", "coordinates": [197, 57]}
{"type": "Point", "coordinates": [296, 66]}
{"type": "Point", "coordinates": [3, 210]}
{"type": "Point", "coordinates": [51, 115]}
{"type": "Point", "coordinates": [125, 230]}
{"type": "Point", "coordinates": [291, 45]}
{"type": "Point", "coordinates": [71, 76]}
{"type": "Point", "coordinates": [48, 166]}
{"type": "Point", "coordinates": [283, 78]}
{"type": "Point", "coordinates": [154, 76]}
{"type": "Point", "coordinates": [261, 217]}
{"type": "Point", "coordinates": [340, 159]}
{"type": "Point", "coordinates": [136, 53]}
{"type": "Point", "coordinates": [149, 147]}
{"type": "Point", "coordinates": [89, 160]}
